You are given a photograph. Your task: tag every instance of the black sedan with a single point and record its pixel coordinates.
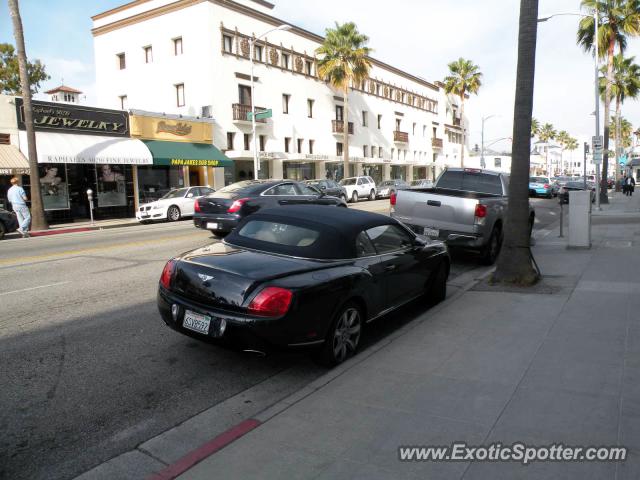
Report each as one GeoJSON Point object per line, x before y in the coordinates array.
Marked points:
{"type": "Point", "coordinates": [328, 187]}
{"type": "Point", "coordinates": [8, 222]}
{"type": "Point", "coordinates": [563, 193]}
{"type": "Point", "coordinates": [301, 276]}
{"type": "Point", "coordinates": [220, 212]}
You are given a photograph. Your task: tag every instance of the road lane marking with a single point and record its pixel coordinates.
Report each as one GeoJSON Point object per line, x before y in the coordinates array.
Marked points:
{"type": "Point", "coordinates": [69, 253]}
{"type": "Point", "coordinates": [33, 288]}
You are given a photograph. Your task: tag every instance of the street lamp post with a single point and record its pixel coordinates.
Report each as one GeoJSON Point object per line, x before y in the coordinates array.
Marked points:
{"type": "Point", "coordinates": [482, 162]}
{"type": "Point", "coordinates": [252, 42]}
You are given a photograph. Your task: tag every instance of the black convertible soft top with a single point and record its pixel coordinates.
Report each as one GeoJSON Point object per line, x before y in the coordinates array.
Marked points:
{"type": "Point", "coordinates": [337, 230]}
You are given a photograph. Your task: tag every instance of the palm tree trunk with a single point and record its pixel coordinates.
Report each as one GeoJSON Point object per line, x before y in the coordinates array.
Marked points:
{"type": "Point", "coordinates": [514, 264]}
{"type": "Point", "coordinates": [618, 142]}
{"type": "Point", "coordinates": [464, 140]}
{"type": "Point", "coordinates": [607, 120]}
{"type": "Point", "coordinates": [38, 220]}
{"type": "Point", "coordinates": [345, 132]}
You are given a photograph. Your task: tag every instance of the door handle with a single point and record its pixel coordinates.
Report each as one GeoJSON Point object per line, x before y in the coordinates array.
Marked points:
{"type": "Point", "coordinates": [389, 268]}
{"type": "Point", "coordinates": [434, 203]}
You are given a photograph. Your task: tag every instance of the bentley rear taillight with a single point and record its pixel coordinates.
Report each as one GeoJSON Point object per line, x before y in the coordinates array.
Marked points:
{"type": "Point", "coordinates": [271, 302]}
{"type": "Point", "coordinates": [167, 274]}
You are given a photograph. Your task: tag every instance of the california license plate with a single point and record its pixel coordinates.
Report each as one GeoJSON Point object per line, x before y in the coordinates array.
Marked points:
{"type": "Point", "coordinates": [431, 232]}
{"type": "Point", "coordinates": [196, 322]}
{"type": "Point", "coordinates": [212, 226]}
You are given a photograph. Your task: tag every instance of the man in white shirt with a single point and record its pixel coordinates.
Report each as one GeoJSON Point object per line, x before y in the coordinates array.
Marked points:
{"type": "Point", "coordinates": [18, 198]}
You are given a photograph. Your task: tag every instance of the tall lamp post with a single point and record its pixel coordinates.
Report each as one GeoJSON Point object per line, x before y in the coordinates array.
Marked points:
{"type": "Point", "coordinates": [482, 162]}
{"type": "Point", "coordinates": [252, 42]}
{"type": "Point", "coordinates": [596, 86]}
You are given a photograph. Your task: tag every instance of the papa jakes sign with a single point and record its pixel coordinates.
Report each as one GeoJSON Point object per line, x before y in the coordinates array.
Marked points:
{"type": "Point", "coordinates": [60, 117]}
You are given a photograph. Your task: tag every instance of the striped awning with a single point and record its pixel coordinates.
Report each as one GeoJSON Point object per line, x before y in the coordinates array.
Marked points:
{"type": "Point", "coordinates": [12, 161]}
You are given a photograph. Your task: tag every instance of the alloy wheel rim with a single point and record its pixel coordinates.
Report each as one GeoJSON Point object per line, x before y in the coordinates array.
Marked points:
{"type": "Point", "coordinates": [173, 214]}
{"type": "Point", "coordinates": [347, 334]}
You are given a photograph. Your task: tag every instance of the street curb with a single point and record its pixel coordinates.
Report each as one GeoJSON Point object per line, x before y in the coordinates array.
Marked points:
{"type": "Point", "coordinates": [43, 233]}
{"type": "Point", "coordinates": [467, 280]}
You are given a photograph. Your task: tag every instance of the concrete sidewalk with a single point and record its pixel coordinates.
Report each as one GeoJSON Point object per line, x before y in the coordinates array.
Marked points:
{"type": "Point", "coordinates": [75, 227]}
{"type": "Point", "coordinates": [559, 363]}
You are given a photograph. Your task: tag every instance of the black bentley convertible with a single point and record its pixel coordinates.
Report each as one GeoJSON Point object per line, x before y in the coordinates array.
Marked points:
{"type": "Point", "coordinates": [301, 276]}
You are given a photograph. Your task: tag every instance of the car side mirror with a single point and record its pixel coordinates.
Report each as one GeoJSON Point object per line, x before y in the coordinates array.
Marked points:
{"type": "Point", "coordinates": [322, 187]}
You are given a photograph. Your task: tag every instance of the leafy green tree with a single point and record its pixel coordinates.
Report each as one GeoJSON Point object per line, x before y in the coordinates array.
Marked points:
{"type": "Point", "coordinates": [545, 135]}
{"type": "Point", "coordinates": [464, 78]}
{"type": "Point", "coordinates": [535, 127]}
{"type": "Point", "coordinates": [10, 74]}
{"type": "Point", "coordinates": [344, 61]}
{"type": "Point", "coordinates": [626, 131]}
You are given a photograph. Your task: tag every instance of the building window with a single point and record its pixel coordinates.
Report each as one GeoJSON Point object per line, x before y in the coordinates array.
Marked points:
{"type": "Point", "coordinates": [380, 152]}
{"type": "Point", "coordinates": [123, 102]}
{"type": "Point", "coordinates": [230, 136]}
{"type": "Point", "coordinates": [308, 67]}
{"type": "Point", "coordinates": [374, 150]}
{"type": "Point", "coordinates": [378, 89]}
{"type": "Point", "coordinates": [299, 142]}
{"type": "Point", "coordinates": [180, 94]}
{"type": "Point", "coordinates": [414, 128]}
{"type": "Point", "coordinates": [311, 142]}
{"type": "Point", "coordinates": [364, 119]}
{"type": "Point", "coordinates": [122, 61]}
{"type": "Point", "coordinates": [177, 46]}
{"type": "Point", "coordinates": [393, 151]}
{"type": "Point", "coordinates": [263, 143]}
{"type": "Point", "coordinates": [365, 151]}
{"type": "Point", "coordinates": [247, 141]}
{"type": "Point", "coordinates": [424, 131]}
{"type": "Point", "coordinates": [339, 113]}
{"type": "Point", "coordinates": [285, 102]}
{"type": "Point", "coordinates": [398, 124]}
{"type": "Point", "coordinates": [379, 121]}
{"type": "Point", "coordinates": [227, 43]}
{"type": "Point", "coordinates": [497, 162]}
{"type": "Point", "coordinates": [148, 54]}
{"type": "Point", "coordinates": [285, 61]}
{"type": "Point", "coordinates": [257, 53]}
{"type": "Point", "coordinates": [287, 144]}
{"type": "Point", "coordinates": [309, 108]}
{"type": "Point", "coordinates": [338, 149]}
{"type": "Point", "coordinates": [244, 95]}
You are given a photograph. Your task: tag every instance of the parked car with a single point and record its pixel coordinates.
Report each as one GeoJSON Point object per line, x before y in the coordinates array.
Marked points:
{"type": "Point", "coordinates": [540, 186]}
{"type": "Point", "coordinates": [281, 279]}
{"type": "Point", "coordinates": [389, 187]}
{"type": "Point", "coordinates": [467, 208]}
{"type": "Point", "coordinates": [328, 187]}
{"type": "Point", "coordinates": [221, 211]}
{"type": "Point", "coordinates": [174, 205]}
{"type": "Point", "coordinates": [8, 222]}
{"type": "Point", "coordinates": [424, 183]}
{"type": "Point", "coordinates": [359, 187]}
{"type": "Point", "coordinates": [563, 194]}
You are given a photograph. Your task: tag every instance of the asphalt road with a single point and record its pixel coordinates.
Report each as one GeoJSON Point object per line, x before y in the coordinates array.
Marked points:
{"type": "Point", "coordinates": [87, 368]}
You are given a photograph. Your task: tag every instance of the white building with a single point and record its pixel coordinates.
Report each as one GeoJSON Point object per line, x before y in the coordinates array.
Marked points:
{"type": "Point", "coordinates": [190, 57]}
{"type": "Point", "coordinates": [64, 94]}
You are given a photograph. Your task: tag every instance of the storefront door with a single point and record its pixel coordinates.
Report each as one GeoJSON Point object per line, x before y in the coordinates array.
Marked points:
{"type": "Point", "coordinates": [81, 177]}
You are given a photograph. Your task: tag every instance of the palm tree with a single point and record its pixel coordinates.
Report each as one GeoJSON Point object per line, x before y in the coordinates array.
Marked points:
{"type": "Point", "coordinates": [563, 139]}
{"type": "Point", "coordinates": [464, 78]}
{"type": "Point", "coordinates": [571, 145]}
{"type": "Point", "coordinates": [618, 19]}
{"type": "Point", "coordinates": [626, 131]}
{"type": "Point", "coordinates": [38, 220]}
{"type": "Point", "coordinates": [535, 127]}
{"type": "Point", "coordinates": [344, 61]}
{"type": "Point", "coordinates": [545, 135]}
{"type": "Point", "coordinates": [515, 264]}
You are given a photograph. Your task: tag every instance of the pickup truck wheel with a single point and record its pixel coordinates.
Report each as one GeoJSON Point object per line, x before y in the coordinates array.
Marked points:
{"type": "Point", "coordinates": [354, 197]}
{"type": "Point", "coordinates": [372, 195]}
{"type": "Point", "coordinates": [492, 249]}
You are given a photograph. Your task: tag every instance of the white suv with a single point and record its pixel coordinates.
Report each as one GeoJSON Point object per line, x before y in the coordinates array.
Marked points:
{"type": "Point", "coordinates": [359, 187]}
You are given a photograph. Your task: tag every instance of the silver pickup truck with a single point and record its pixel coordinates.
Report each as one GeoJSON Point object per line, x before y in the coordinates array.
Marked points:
{"type": "Point", "coordinates": [467, 208]}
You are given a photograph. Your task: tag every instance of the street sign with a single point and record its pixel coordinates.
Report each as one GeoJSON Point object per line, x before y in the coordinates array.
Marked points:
{"type": "Point", "coordinates": [261, 115]}
{"type": "Point", "coordinates": [597, 157]}
{"type": "Point", "coordinates": [597, 142]}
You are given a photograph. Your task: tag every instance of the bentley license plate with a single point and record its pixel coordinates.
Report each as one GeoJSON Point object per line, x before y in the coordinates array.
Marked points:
{"type": "Point", "coordinates": [212, 226]}
{"type": "Point", "coordinates": [196, 322]}
{"type": "Point", "coordinates": [431, 232]}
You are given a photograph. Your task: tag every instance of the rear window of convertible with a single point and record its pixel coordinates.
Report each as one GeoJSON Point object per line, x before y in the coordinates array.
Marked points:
{"type": "Point", "coordinates": [279, 233]}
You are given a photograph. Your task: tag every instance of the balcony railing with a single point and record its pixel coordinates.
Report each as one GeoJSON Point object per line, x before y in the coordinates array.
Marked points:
{"type": "Point", "coordinates": [437, 143]}
{"type": "Point", "coordinates": [337, 126]}
{"type": "Point", "coordinates": [240, 112]}
{"type": "Point", "coordinates": [399, 136]}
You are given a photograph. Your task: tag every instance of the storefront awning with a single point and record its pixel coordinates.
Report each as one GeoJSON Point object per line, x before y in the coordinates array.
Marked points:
{"type": "Point", "coordinates": [72, 148]}
{"type": "Point", "coordinates": [183, 153]}
{"type": "Point", "coordinates": [12, 161]}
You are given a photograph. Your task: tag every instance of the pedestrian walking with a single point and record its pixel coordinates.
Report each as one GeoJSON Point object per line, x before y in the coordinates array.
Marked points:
{"type": "Point", "coordinates": [18, 198]}
{"type": "Point", "coordinates": [623, 182]}
{"type": "Point", "coordinates": [631, 185]}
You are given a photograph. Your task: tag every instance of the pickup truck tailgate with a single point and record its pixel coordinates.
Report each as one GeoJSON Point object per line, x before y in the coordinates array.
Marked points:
{"type": "Point", "coordinates": [423, 208]}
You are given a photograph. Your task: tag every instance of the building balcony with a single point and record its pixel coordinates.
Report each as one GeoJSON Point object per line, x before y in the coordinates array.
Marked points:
{"type": "Point", "coordinates": [456, 121]}
{"type": "Point", "coordinates": [437, 143]}
{"type": "Point", "coordinates": [402, 137]}
{"type": "Point", "coordinates": [240, 112]}
{"type": "Point", "coordinates": [337, 126]}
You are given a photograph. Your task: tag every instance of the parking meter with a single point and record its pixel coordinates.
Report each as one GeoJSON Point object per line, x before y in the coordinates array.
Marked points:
{"type": "Point", "coordinates": [90, 198]}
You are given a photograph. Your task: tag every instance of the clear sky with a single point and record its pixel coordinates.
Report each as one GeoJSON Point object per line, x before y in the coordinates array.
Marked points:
{"type": "Point", "coordinates": [419, 36]}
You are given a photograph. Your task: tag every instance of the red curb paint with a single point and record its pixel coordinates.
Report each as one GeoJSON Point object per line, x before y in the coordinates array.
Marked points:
{"type": "Point", "coordinates": [43, 233]}
{"type": "Point", "coordinates": [202, 452]}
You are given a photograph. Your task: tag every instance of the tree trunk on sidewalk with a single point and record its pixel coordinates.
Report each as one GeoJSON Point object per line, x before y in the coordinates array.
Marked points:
{"type": "Point", "coordinates": [464, 132]}
{"type": "Point", "coordinates": [515, 265]}
{"type": "Point", "coordinates": [604, 198]}
{"type": "Point", "coordinates": [38, 220]}
{"type": "Point", "coordinates": [345, 135]}
{"type": "Point", "coordinates": [619, 146]}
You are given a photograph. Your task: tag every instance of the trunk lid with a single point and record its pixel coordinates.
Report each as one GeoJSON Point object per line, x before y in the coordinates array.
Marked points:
{"type": "Point", "coordinates": [220, 203]}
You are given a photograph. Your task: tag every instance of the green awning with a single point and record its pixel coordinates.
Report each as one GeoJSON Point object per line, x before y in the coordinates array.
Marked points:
{"type": "Point", "coordinates": [187, 154]}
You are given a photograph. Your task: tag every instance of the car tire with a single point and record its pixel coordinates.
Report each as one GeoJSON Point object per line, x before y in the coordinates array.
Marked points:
{"type": "Point", "coordinates": [173, 213]}
{"type": "Point", "coordinates": [491, 251]}
{"type": "Point", "coordinates": [343, 197]}
{"type": "Point", "coordinates": [372, 195]}
{"type": "Point", "coordinates": [3, 230]}
{"type": "Point", "coordinates": [343, 336]}
{"type": "Point", "coordinates": [354, 197]}
{"type": "Point", "coordinates": [219, 233]}
{"type": "Point", "coordinates": [437, 290]}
